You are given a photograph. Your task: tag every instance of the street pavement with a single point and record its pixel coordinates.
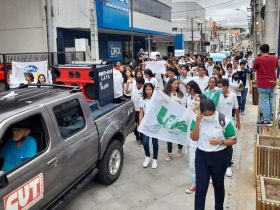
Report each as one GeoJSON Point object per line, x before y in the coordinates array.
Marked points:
{"type": "Point", "coordinates": [163, 188]}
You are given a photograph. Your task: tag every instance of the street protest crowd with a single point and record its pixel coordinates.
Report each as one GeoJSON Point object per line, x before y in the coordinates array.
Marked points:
{"type": "Point", "coordinates": [213, 94]}
{"type": "Point", "coordinates": [193, 101]}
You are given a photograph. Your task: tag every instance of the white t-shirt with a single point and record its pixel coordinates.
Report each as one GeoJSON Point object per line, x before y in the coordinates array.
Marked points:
{"type": "Point", "coordinates": [202, 82]}
{"type": "Point", "coordinates": [145, 104]}
{"type": "Point", "coordinates": [227, 104]}
{"type": "Point", "coordinates": [213, 129]}
{"type": "Point", "coordinates": [136, 96]}
{"type": "Point", "coordinates": [130, 85]}
{"type": "Point", "coordinates": [209, 69]}
{"type": "Point", "coordinates": [118, 83]}
{"type": "Point", "coordinates": [153, 81]}
{"type": "Point", "coordinates": [235, 84]}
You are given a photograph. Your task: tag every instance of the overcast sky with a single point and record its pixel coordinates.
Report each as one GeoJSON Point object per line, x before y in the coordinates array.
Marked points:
{"type": "Point", "coordinates": [225, 14]}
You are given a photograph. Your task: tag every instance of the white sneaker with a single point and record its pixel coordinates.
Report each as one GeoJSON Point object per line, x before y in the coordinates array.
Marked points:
{"type": "Point", "coordinates": [154, 164]}
{"type": "Point", "coordinates": [229, 172]}
{"type": "Point", "coordinates": [146, 162]}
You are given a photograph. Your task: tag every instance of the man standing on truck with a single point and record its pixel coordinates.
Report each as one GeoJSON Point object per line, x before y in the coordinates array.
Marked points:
{"type": "Point", "coordinates": [19, 148]}
{"type": "Point", "coordinates": [136, 95]}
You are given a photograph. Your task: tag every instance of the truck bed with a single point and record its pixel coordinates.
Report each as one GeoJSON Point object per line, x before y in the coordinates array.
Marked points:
{"type": "Point", "coordinates": [96, 113]}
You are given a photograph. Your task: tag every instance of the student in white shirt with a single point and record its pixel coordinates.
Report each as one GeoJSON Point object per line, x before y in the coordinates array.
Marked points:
{"type": "Point", "coordinates": [150, 78]}
{"type": "Point", "coordinates": [118, 84]}
{"type": "Point", "coordinates": [236, 86]}
{"type": "Point", "coordinates": [210, 66]}
{"type": "Point", "coordinates": [193, 145]}
{"type": "Point", "coordinates": [227, 103]}
{"type": "Point", "coordinates": [202, 79]}
{"type": "Point", "coordinates": [173, 91]}
{"type": "Point", "coordinates": [184, 78]}
{"type": "Point", "coordinates": [129, 82]}
{"type": "Point", "coordinates": [213, 136]}
{"type": "Point", "coordinates": [229, 72]}
{"type": "Point", "coordinates": [235, 66]}
{"type": "Point", "coordinates": [145, 102]}
{"type": "Point", "coordinates": [170, 74]}
{"type": "Point", "coordinates": [136, 95]}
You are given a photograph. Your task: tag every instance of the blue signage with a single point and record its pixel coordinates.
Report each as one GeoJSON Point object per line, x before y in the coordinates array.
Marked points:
{"type": "Point", "coordinates": [113, 14]}
{"type": "Point", "coordinates": [115, 50]}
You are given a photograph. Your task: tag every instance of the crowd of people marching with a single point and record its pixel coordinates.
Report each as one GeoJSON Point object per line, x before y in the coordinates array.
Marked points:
{"type": "Point", "coordinates": [215, 93]}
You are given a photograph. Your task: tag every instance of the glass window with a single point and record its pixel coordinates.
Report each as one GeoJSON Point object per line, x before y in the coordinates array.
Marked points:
{"type": "Point", "coordinates": [26, 138]}
{"type": "Point", "coordinates": [153, 8]}
{"type": "Point", "coordinates": [70, 118]}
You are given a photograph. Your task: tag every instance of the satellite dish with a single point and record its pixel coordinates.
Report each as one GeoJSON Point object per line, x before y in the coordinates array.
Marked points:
{"type": "Point", "coordinates": [263, 12]}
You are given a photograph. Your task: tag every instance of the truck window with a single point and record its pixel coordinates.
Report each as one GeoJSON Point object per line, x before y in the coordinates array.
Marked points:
{"type": "Point", "coordinates": [21, 142]}
{"type": "Point", "coordinates": [70, 118]}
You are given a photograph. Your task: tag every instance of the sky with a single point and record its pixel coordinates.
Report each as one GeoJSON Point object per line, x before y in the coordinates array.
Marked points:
{"type": "Point", "coordinates": [226, 14]}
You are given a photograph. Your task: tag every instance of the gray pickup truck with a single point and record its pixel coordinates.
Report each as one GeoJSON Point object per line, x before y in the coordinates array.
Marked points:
{"type": "Point", "coordinates": [75, 142]}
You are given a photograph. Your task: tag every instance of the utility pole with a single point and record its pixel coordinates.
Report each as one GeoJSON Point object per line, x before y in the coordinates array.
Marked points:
{"type": "Point", "coordinates": [192, 35]}
{"type": "Point", "coordinates": [94, 32]}
{"type": "Point", "coordinates": [270, 25]}
{"type": "Point", "coordinates": [201, 37]}
{"type": "Point", "coordinates": [131, 31]}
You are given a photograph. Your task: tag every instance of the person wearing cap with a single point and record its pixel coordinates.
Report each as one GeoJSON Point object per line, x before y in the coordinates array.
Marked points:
{"type": "Point", "coordinates": [19, 148]}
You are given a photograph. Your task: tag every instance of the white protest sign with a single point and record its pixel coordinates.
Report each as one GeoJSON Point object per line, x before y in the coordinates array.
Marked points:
{"type": "Point", "coordinates": [179, 53]}
{"type": "Point", "coordinates": [156, 66]}
{"type": "Point", "coordinates": [166, 120]}
{"type": "Point", "coordinates": [20, 69]}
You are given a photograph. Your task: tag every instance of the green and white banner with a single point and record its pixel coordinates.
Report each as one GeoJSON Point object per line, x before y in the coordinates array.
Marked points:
{"type": "Point", "coordinates": [166, 120]}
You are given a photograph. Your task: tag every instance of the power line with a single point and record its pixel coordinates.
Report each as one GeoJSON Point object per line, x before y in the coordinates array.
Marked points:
{"type": "Point", "coordinates": [216, 5]}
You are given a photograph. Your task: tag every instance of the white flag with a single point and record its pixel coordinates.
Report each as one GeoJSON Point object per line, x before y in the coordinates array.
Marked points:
{"type": "Point", "coordinates": [166, 120]}
{"type": "Point", "coordinates": [19, 69]}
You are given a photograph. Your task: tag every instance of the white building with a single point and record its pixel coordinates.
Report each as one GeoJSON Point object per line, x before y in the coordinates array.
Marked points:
{"type": "Point", "coordinates": [188, 18]}
{"type": "Point", "coordinates": [23, 25]}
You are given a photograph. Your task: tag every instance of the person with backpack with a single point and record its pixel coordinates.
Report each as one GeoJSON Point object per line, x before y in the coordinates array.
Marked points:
{"type": "Point", "coordinates": [228, 102]}
{"type": "Point", "coordinates": [214, 133]}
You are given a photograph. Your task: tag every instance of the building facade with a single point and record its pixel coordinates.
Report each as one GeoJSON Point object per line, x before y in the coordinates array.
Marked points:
{"type": "Point", "coordinates": [188, 19]}
{"type": "Point", "coordinates": [58, 24]}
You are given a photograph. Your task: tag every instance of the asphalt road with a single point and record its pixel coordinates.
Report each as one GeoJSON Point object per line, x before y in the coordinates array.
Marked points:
{"type": "Point", "coordinates": [163, 188]}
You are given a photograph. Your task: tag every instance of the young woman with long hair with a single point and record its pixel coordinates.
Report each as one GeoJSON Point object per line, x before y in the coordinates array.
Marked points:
{"type": "Point", "coordinates": [145, 102]}
{"type": "Point", "coordinates": [173, 91]}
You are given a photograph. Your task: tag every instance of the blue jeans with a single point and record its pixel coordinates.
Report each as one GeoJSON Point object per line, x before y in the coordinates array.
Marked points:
{"type": "Point", "coordinates": [239, 100]}
{"type": "Point", "coordinates": [266, 100]}
{"type": "Point", "coordinates": [212, 164]}
{"type": "Point", "coordinates": [147, 147]}
{"type": "Point", "coordinates": [243, 99]}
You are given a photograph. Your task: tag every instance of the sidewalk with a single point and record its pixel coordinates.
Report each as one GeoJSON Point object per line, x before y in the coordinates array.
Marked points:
{"type": "Point", "coordinates": [163, 188]}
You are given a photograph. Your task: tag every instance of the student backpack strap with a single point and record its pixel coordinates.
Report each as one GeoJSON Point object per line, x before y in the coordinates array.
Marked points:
{"type": "Point", "coordinates": [222, 120]}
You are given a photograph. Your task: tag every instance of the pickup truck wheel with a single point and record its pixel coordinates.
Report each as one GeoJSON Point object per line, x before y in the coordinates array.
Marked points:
{"type": "Point", "coordinates": [111, 165]}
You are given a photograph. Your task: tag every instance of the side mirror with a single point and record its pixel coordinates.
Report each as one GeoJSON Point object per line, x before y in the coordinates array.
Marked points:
{"type": "Point", "coordinates": [3, 179]}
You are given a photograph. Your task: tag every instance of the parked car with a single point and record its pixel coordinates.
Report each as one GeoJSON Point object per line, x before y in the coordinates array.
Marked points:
{"type": "Point", "coordinates": [76, 141]}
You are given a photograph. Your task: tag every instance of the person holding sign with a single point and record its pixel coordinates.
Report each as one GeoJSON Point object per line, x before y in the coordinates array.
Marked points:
{"type": "Point", "coordinates": [145, 102]}
{"type": "Point", "coordinates": [173, 91]}
{"type": "Point", "coordinates": [213, 133]}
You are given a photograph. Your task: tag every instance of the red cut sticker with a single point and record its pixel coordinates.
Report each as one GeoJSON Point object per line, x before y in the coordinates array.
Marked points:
{"type": "Point", "coordinates": [26, 195]}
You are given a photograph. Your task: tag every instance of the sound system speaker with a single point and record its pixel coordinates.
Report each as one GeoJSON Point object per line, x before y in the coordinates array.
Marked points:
{"type": "Point", "coordinates": [96, 80]}
{"type": "Point", "coordinates": [77, 76]}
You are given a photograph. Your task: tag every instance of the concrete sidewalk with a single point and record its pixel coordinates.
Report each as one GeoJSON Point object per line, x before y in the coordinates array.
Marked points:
{"type": "Point", "coordinates": [163, 188]}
